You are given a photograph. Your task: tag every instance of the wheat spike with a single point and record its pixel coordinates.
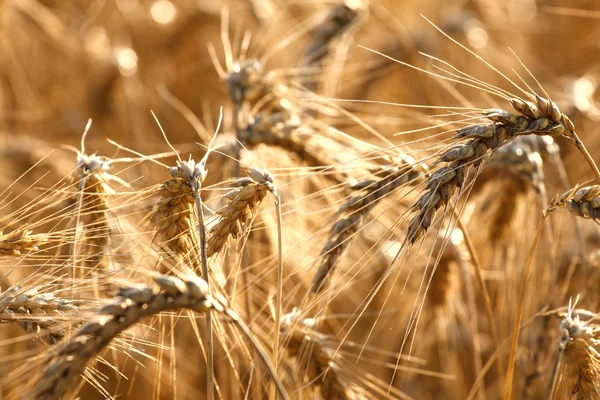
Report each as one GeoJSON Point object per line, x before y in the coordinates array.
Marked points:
{"type": "Point", "coordinates": [357, 208]}
{"type": "Point", "coordinates": [171, 218]}
{"type": "Point", "coordinates": [581, 201]}
{"type": "Point", "coordinates": [338, 20]}
{"type": "Point", "coordinates": [579, 346]}
{"type": "Point", "coordinates": [133, 303]}
{"type": "Point", "coordinates": [540, 118]}
{"type": "Point", "coordinates": [19, 241]}
{"type": "Point", "coordinates": [444, 279]}
{"type": "Point", "coordinates": [95, 240]}
{"type": "Point", "coordinates": [524, 158]}
{"type": "Point", "coordinates": [244, 200]}
{"type": "Point", "coordinates": [34, 311]}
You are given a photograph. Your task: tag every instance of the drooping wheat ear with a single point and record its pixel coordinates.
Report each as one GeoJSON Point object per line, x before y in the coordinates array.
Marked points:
{"type": "Point", "coordinates": [35, 312]}
{"type": "Point", "coordinates": [337, 21]}
{"type": "Point", "coordinates": [540, 118]}
{"type": "Point", "coordinates": [355, 211]}
{"type": "Point", "coordinates": [578, 349]}
{"type": "Point", "coordinates": [288, 130]}
{"type": "Point", "coordinates": [19, 242]}
{"type": "Point", "coordinates": [244, 200]}
{"type": "Point", "coordinates": [172, 216]}
{"type": "Point", "coordinates": [306, 345]}
{"type": "Point", "coordinates": [133, 303]}
{"type": "Point", "coordinates": [581, 201]}
{"type": "Point", "coordinates": [93, 170]}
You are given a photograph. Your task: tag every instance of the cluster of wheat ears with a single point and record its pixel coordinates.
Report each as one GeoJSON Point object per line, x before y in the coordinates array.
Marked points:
{"type": "Point", "coordinates": [299, 200]}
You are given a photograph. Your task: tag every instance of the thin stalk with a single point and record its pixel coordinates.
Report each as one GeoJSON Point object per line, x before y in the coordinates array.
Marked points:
{"type": "Point", "coordinates": [279, 295]}
{"type": "Point", "coordinates": [487, 305]}
{"type": "Point", "coordinates": [209, 337]}
{"type": "Point", "coordinates": [516, 329]}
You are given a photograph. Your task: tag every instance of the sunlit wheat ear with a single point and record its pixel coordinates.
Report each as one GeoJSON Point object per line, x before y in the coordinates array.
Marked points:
{"type": "Point", "coordinates": [527, 118]}
{"type": "Point", "coordinates": [292, 131]}
{"type": "Point", "coordinates": [581, 201]}
{"type": "Point", "coordinates": [244, 200]}
{"type": "Point", "coordinates": [355, 212]}
{"type": "Point", "coordinates": [19, 242]}
{"type": "Point", "coordinates": [331, 40]}
{"type": "Point", "coordinates": [37, 313]}
{"type": "Point", "coordinates": [578, 352]}
{"type": "Point", "coordinates": [171, 218]}
{"type": "Point", "coordinates": [93, 208]}
{"type": "Point", "coordinates": [67, 362]}
{"type": "Point", "coordinates": [93, 228]}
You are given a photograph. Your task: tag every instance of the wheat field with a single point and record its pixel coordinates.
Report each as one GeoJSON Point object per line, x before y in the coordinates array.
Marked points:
{"type": "Point", "coordinates": [276, 199]}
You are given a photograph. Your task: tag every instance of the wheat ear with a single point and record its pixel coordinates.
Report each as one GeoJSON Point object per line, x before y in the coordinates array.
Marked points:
{"type": "Point", "coordinates": [356, 210]}
{"type": "Point", "coordinates": [34, 311]}
{"type": "Point", "coordinates": [578, 351]}
{"type": "Point", "coordinates": [133, 303]}
{"type": "Point", "coordinates": [171, 218]}
{"type": "Point", "coordinates": [244, 200]}
{"type": "Point", "coordinates": [93, 203]}
{"type": "Point", "coordinates": [581, 201]}
{"type": "Point", "coordinates": [540, 118]}
{"type": "Point", "coordinates": [19, 242]}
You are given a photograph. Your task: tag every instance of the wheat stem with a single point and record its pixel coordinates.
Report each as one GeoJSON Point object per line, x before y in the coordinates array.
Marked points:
{"type": "Point", "coordinates": [518, 318]}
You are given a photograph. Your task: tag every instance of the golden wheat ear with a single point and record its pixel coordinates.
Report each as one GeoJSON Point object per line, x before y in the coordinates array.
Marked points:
{"type": "Point", "coordinates": [244, 200]}
{"type": "Point", "coordinates": [135, 302]}
{"type": "Point", "coordinates": [38, 313]}
{"type": "Point", "coordinates": [355, 211]}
